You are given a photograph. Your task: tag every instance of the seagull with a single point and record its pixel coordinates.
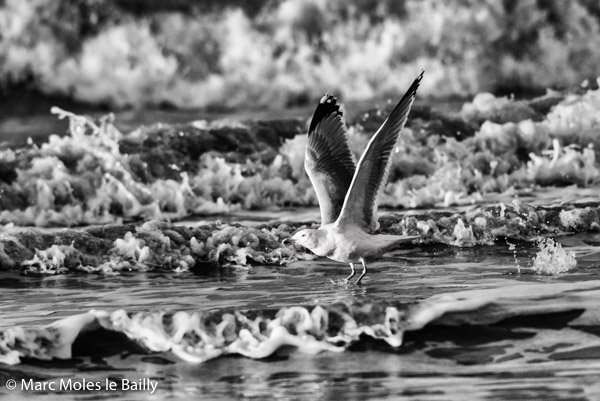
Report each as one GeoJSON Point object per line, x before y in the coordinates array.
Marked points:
{"type": "Point", "coordinates": [347, 193]}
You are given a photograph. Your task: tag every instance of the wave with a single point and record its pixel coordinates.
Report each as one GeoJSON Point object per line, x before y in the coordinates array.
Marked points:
{"type": "Point", "coordinates": [286, 52]}
{"type": "Point", "coordinates": [196, 337]}
{"type": "Point", "coordinates": [158, 245]}
{"type": "Point", "coordinates": [98, 175]}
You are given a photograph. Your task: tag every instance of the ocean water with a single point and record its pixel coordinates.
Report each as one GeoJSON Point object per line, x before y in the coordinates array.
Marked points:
{"type": "Point", "coordinates": [507, 333]}
{"type": "Point", "coordinates": [473, 323]}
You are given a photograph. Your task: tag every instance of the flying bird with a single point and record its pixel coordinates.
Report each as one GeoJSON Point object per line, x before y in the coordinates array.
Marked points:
{"type": "Point", "coordinates": [348, 194]}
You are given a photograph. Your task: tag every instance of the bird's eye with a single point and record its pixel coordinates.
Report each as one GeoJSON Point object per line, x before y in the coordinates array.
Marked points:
{"type": "Point", "coordinates": [304, 235]}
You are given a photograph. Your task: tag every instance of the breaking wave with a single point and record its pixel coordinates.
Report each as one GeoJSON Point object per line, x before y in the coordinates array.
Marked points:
{"type": "Point", "coordinates": [98, 175]}
{"type": "Point", "coordinates": [196, 55]}
{"type": "Point", "coordinates": [157, 245]}
{"type": "Point", "coordinates": [200, 336]}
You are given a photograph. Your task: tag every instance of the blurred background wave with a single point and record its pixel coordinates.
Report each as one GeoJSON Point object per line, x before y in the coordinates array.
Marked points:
{"type": "Point", "coordinates": [275, 54]}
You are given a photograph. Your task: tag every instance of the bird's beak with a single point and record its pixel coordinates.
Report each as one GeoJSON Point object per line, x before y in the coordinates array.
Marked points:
{"type": "Point", "coordinates": [288, 240]}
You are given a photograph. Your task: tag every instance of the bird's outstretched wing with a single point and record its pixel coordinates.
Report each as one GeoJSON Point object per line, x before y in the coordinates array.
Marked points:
{"type": "Point", "coordinates": [360, 204]}
{"type": "Point", "coordinates": [328, 160]}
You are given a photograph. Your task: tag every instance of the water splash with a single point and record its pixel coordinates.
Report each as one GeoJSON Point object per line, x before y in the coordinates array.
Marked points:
{"type": "Point", "coordinates": [552, 258]}
{"type": "Point", "coordinates": [513, 247]}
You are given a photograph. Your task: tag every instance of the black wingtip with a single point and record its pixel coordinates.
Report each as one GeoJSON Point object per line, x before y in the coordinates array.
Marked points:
{"type": "Point", "coordinates": [410, 94]}
{"type": "Point", "coordinates": [327, 105]}
{"type": "Point", "coordinates": [412, 91]}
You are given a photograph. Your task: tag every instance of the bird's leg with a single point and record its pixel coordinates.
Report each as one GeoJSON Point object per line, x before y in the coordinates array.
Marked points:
{"type": "Point", "coordinates": [351, 274]}
{"type": "Point", "coordinates": [364, 271]}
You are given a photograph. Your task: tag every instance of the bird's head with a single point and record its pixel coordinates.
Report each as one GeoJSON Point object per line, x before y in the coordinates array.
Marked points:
{"type": "Point", "coordinates": [307, 238]}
